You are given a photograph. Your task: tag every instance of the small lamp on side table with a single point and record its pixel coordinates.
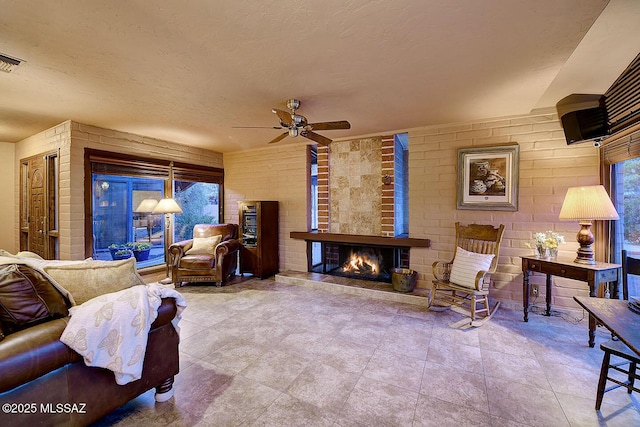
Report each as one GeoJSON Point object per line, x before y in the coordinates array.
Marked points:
{"type": "Point", "coordinates": [586, 204]}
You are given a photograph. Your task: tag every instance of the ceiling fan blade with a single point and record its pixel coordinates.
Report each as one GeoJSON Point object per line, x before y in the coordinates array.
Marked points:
{"type": "Point", "coordinates": [342, 124]}
{"type": "Point", "coordinates": [257, 127]}
{"type": "Point", "coordinates": [283, 116]}
{"type": "Point", "coordinates": [279, 138]}
{"type": "Point", "coordinates": [316, 137]}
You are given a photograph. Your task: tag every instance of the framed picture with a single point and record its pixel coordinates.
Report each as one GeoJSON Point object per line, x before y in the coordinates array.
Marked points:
{"type": "Point", "coordinates": [488, 178]}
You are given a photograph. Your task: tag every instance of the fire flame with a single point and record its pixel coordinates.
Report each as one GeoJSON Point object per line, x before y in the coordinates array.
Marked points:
{"type": "Point", "coordinates": [361, 264]}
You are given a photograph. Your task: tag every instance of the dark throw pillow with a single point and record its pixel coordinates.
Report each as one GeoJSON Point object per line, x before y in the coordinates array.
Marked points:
{"type": "Point", "coordinates": [28, 298]}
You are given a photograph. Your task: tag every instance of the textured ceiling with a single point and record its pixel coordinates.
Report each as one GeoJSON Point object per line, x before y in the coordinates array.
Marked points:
{"type": "Point", "coordinates": [190, 72]}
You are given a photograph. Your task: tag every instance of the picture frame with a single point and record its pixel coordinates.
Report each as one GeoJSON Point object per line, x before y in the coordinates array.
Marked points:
{"type": "Point", "coordinates": [488, 178]}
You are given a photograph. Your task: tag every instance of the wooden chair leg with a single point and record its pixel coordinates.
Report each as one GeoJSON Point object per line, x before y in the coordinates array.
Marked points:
{"type": "Point", "coordinates": [602, 382]}
{"type": "Point", "coordinates": [632, 376]}
{"type": "Point", "coordinates": [472, 308]}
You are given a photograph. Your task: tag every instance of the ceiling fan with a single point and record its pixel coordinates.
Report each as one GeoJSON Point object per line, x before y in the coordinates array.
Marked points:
{"type": "Point", "coordinates": [296, 124]}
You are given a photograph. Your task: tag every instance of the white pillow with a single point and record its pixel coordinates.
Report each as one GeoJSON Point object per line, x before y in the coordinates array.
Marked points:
{"type": "Point", "coordinates": [204, 245]}
{"type": "Point", "coordinates": [466, 266]}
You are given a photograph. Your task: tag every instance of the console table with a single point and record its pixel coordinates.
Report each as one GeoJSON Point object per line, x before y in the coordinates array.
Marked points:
{"type": "Point", "coordinates": [601, 272]}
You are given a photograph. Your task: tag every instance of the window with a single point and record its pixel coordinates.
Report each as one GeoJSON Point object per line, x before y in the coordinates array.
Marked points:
{"type": "Point", "coordinates": [627, 201]}
{"type": "Point", "coordinates": [122, 189]}
{"type": "Point", "coordinates": [116, 220]}
{"type": "Point", "coordinates": [200, 203]}
{"type": "Point", "coordinates": [621, 172]}
{"type": "Point", "coordinates": [401, 184]}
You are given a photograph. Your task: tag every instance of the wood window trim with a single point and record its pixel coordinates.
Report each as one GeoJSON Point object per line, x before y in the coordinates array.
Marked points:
{"type": "Point", "coordinates": [625, 145]}
{"type": "Point", "coordinates": [112, 163]}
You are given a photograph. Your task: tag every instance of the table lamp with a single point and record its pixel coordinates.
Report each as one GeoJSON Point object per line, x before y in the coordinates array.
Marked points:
{"type": "Point", "coordinates": [586, 204]}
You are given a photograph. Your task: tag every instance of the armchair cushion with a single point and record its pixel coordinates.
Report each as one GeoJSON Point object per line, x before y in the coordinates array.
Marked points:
{"type": "Point", "coordinates": [204, 245]}
{"type": "Point", "coordinates": [197, 261]}
{"type": "Point", "coordinates": [466, 266]}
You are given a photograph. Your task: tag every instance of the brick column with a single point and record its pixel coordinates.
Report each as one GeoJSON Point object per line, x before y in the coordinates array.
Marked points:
{"type": "Point", "coordinates": [387, 226]}
{"type": "Point", "coordinates": [323, 189]}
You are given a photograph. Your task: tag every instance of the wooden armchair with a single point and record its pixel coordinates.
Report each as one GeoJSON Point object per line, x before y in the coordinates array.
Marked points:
{"type": "Point", "coordinates": [211, 256]}
{"type": "Point", "coordinates": [463, 283]}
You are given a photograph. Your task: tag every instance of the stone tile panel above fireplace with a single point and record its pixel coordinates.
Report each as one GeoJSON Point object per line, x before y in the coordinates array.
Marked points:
{"type": "Point", "coordinates": [355, 186]}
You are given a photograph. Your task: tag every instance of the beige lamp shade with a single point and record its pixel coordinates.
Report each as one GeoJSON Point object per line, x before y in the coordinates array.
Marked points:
{"type": "Point", "coordinates": [167, 206]}
{"type": "Point", "coordinates": [146, 206]}
{"type": "Point", "coordinates": [587, 203]}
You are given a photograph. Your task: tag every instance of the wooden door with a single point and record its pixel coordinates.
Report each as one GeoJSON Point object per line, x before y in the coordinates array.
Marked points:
{"type": "Point", "coordinates": [37, 206]}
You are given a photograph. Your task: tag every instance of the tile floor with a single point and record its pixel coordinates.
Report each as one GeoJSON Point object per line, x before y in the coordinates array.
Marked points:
{"type": "Point", "coordinates": [270, 353]}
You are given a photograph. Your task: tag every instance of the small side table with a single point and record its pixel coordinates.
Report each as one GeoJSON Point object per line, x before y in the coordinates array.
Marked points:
{"type": "Point", "coordinates": [601, 272]}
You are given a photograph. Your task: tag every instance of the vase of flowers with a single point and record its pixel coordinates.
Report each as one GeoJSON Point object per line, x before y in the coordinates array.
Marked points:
{"type": "Point", "coordinates": [541, 249]}
{"type": "Point", "coordinates": [546, 244]}
{"type": "Point", "coordinates": [552, 241]}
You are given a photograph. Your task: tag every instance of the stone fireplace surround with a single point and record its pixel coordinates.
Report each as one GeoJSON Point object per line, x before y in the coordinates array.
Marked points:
{"type": "Point", "coordinates": [356, 207]}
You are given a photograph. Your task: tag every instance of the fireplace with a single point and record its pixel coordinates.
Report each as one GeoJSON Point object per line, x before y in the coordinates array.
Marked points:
{"type": "Point", "coordinates": [357, 257]}
{"type": "Point", "coordinates": [365, 262]}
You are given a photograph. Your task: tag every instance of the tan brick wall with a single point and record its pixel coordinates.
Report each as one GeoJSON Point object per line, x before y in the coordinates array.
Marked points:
{"type": "Point", "coordinates": [9, 199]}
{"type": "Point", "coordinates": [547, 168]}
{"type": "Point", "coordinates": [55, 138]}
{"type": "Point", "coordinates": [273, 173]}
{"type": "Point", "coordinates": [71, 138]}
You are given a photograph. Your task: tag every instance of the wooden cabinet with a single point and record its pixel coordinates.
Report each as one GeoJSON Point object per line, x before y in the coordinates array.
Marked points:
{"type": "Point", "coordinates": [259, 238]}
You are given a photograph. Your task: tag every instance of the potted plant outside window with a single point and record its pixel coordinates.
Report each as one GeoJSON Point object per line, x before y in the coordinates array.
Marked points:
{"type": "Point", "coordinates": [115, 247]}
{"type": "Point", "coordinates": [141, 250]}
{"type": "Point", "coordinates": [122, 254]}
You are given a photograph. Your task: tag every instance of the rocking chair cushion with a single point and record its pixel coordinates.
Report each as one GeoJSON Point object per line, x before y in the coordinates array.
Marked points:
{"type": "Point", "coordinates": [466, 266]}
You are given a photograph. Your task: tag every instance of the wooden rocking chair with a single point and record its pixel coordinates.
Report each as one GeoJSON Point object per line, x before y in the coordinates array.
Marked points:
{"type": "Point", "coordinates": [462, 284]}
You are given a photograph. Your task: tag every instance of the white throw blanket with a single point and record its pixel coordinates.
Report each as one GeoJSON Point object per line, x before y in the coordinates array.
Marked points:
{"type": "Point", "coordinates": [111, 331]}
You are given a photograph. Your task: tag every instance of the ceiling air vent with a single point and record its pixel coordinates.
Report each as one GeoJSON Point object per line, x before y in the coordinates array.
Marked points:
{"type": "Point", "coordinates": [7, 63]}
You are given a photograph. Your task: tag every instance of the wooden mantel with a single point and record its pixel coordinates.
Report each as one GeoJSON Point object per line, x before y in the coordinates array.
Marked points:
{"type": "Point", "coordinates": [406, 242]}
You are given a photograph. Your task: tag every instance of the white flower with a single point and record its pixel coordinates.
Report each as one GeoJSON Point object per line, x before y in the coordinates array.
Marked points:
{"type": "Point", "coordinates": [549, 239]}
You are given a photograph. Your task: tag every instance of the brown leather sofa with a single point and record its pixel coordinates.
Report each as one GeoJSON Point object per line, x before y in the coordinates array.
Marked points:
{"type": "Point", "coordinates": [216, 266]}
{"type": "Point", "coordinates": [45, 382]}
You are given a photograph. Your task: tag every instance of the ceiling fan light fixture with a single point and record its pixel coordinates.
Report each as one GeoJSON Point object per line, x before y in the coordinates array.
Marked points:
{"type": "Point", "coordinates": [296, 124]}
{"type": "Point", "coordinates": [293, 104]}
{"type": "Point", "coordinates": [298, 120]}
